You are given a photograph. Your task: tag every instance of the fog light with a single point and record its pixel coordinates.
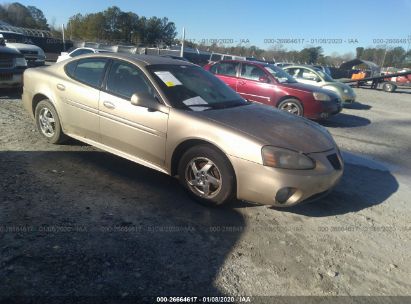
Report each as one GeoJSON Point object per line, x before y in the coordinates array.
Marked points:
{"type": "Point", "coordinates": [284, 194]}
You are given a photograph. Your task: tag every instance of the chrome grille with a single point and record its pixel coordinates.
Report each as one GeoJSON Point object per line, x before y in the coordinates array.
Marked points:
{"type": "Point", "coordinates": [6, 63]}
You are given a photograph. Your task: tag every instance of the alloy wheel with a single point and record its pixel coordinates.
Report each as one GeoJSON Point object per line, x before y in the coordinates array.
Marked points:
{"type": "Point", "coordinates": [203, 177]}
{"type": "Point", "coordinates": [47, 122]}
{"type": "Point", "coordinates": [290, 107]}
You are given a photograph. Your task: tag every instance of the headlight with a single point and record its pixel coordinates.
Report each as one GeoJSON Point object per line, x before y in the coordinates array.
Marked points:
{"type": "Point", "coordinates": [346, 91]}
{"type": "Point", "coordinates": [20, 61]}
{"type": "Point", "coordinates": [41, 54]}
{"type": "Point", "coordinates": [286, 159]}
{"type": "Point", "coordinates": [321, 96]}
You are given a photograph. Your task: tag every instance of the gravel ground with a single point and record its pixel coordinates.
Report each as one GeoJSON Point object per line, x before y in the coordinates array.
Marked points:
{"type": "Point", "coordinates": [76, 221]}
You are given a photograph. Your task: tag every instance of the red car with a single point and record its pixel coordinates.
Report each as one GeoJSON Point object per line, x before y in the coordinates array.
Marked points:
{"type": "Point", "coordinates": [270, 85]}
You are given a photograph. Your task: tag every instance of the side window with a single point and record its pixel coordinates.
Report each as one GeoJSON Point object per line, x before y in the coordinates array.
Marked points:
{"type": "Point", "coordinates": [252, 72]}
{"type": "Point", "coordinates": [308, 75]}
{"type": "Point", "coordinates": [90, 71]}
{"type": "Point", "coordinates": [292, 71]}
{"type": "Point", "coordinates": [215, 57]}
{"type": "Point", "coordinates": [80, 52]}
{"type": "Point", "coordinates": [126, 79]}
{"type": "Point", "coordinates": [225, 68]}
{"type": "Point", "coordinates": [214, 68]}
{"type": "Point", "coordinates": [70, 68]}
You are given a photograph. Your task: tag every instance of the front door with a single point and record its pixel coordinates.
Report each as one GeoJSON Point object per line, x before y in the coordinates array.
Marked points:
{"type": "Point", "coordinates": [250, 86]}
{"type": "Point", "coordinates": [133, 130]}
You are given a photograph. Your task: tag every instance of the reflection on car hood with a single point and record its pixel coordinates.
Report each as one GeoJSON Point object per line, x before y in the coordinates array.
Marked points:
{"type": "Point", "coordinates": [303, 87]}
{"type": "Point", "coordinates": [23, 46]}
{"type": "Point", "coordinates": [274, 127]}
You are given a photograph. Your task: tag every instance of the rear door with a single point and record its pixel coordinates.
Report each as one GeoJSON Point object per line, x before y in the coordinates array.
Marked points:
{"type": "Point", "coordinates": [251, 86]}
{"type": "Point", "coordinates": [79, 95]}
{"type": "Point", "coordinates": [227, 72]}
{"type": "Point", "coordinates": [134, 130]}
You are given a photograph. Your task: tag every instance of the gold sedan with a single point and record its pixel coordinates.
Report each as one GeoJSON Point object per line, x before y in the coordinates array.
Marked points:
{"type": "Point", "coordinates": [177, 118]}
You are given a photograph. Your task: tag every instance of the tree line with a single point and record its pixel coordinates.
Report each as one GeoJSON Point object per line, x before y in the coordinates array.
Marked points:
{"type": "Point", "coordinates": [396, 57]}
{"type": "Point", "coordinates": [24, 16]}
{"type": "Point", "coordinates": [114, 25]}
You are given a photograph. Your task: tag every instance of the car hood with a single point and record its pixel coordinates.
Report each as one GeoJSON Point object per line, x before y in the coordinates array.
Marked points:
{"type": "Point", "coordinates": [302, 87]}
{"type": "Point", "coordinates": [23, 46]}
{"type": "Point", "coordinates": [274, 127]}
{"type": "Point", "coordinates": [8, 50]}
{"type": "Point", "coordinates": [339, 86]}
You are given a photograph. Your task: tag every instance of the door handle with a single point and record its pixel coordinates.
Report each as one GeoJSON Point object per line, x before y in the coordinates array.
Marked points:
{"type": "Point", "coordinates": [109, 105]}
{"type": "Point", "coordinates": [61, 87]}
{"type": "Point", "coordinates": [241, 82]}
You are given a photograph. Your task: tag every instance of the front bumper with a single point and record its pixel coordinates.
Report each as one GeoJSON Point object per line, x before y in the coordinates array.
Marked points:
{"type": "Point", "coordinates": [327, 109]}
{"type": "Point", "coordinates": [261, 184]}
{"type": "Point", "coordinates": [348, 98]}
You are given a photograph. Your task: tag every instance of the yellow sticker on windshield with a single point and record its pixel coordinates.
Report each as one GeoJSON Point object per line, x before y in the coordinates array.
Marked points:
{"type": "Point", "coordinates": [169, 79]}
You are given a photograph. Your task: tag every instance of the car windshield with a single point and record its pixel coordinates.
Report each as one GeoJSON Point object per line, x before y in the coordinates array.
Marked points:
{"type": "Point", "coordinates": [192, 88]}
{"type": "Point", "coordinates": [324, 76]}
{"type": "Point", "coordinates": [279, 74]}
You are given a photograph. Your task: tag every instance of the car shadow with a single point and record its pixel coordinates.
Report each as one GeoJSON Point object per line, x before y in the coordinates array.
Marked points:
{"type": "Point", "coordinates": [343, 120]}
{"type": "Point", "coordinates": [100, 226]}
{"type": "Point", "coordinates": [357, 106]}
{"type": "Point", "coordinates": [369, 182]}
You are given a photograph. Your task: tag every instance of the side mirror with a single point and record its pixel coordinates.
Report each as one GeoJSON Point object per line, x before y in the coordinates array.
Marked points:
{"type": "Point", "coordinates": [144, 100]}
{"type": "Point", "coordinates": [263, 79]}
{"type": "Point", "coordinates": [318, 79]}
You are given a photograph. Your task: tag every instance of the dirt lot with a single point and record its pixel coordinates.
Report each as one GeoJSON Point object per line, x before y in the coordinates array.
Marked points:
{"type": "Point", "coordinates": [76, 221]}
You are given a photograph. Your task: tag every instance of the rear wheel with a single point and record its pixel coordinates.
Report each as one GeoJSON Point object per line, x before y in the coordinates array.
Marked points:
{"type": "Point", "coordinates": [292, 106]}
{"type": "Point", "coordinates": [48, 122]}
{"type": "Point", "coordinates": [389, 87]}
{"type": "Point", "coordinates": [207, 175]}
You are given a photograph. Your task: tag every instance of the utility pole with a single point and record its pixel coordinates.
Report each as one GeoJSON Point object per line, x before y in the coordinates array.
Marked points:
{"type": "Point", "coordinates": [62, 32]}
{"type": "Point", "coordinates": [182, 43]}
{"type": "Point", "coordinates": [383, 59]}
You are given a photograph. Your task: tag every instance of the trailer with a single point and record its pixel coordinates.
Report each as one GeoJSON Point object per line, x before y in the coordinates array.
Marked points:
{"type": "Point", "coordinates": [383, 82]}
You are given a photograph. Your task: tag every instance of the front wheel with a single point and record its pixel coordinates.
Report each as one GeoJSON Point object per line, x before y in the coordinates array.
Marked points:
{"type": "Point", "coordinates": [292, 106]}
{"type": "Point", "coordinates": [48, 122]}
{"type": "Point", "coordinates": [207, 175]}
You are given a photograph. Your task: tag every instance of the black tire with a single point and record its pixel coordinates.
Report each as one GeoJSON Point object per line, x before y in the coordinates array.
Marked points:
{"type": "Point", "coordinates": [220, 171]}
{"type": "Point", "coordinates": [389, 87]}
{"type": "Point", "coordinates": [46, 111]}
{"type": "Point", "coordinates": [291, 105]}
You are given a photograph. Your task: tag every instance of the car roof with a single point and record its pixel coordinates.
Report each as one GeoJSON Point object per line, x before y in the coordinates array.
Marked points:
{"type": "Point", "coordinates": [311, 67]}
{"type": "Point", "coordinates": [89, 48]}
{"type": "Point", "coordinates": [141, 60]}
{"type": "Point", "coordinates": [246, 61]}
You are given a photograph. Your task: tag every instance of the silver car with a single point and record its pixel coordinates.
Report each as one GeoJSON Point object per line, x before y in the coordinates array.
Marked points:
{"type": "Point", "coordinates": [315, 76]}
{"type": "Point", "coordinates": [179, 119]}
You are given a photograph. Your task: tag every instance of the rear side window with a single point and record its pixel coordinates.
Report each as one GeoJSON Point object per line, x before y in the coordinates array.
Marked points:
{"type": "Point", "coordinates": [225, 68]}
{"type": "Point", "coordinates": [70, 68]}
{"type": "Point", "coordinates": [81, 52]}
{"type": "Point", "coordinates": [89, 71]}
